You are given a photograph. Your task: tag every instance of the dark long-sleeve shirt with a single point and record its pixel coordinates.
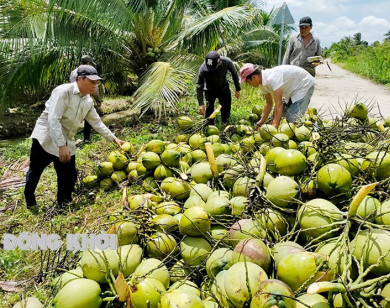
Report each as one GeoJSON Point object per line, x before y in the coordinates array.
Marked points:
{"type": "Point", "coordinates": [216, 81]}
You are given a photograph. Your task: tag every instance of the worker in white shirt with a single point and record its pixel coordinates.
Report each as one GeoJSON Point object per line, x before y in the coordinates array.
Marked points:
{"type": "Point", "coordinates": [290, 82]}
{"type": "Point", "coordinates": [87, 60]}
{"type": "Point", "coordinates": [54, 131]}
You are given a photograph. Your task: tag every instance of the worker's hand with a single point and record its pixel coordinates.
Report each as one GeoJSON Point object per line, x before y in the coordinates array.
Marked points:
{"type": "Point", "coordinates": [315, 63]}
{"type": "Point", "coordinates": [202, 109]}
{"type": "Point", "coordinates": [237, 94]}
{"type": "Point", "coordinates": [119, 142]}
{"type": "Point", "coordinates": [64, 154]}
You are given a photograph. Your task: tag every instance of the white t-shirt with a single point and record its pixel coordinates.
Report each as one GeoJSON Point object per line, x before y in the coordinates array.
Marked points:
{"type": "Point", "coordinates": [294, 81]}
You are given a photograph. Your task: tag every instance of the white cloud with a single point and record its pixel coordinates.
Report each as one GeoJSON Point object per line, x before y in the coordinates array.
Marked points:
{"type": "Point", "coordinates": [374, 22]}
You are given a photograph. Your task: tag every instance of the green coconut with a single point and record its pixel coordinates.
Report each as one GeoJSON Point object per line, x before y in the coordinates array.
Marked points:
{"type": "Point", "coordinates": [212, 130]}
{"type": "Point", "coordinates": [127, 147]}
{"type": "Point", "coordinates": [162, 172]}
{"type": "Point", "coordinates": [150, 160]}
{"type": "Point", "coordinates": [243, 229]}
{"type": "Point", "coordinates": [106, 184]}
{"type": "Point", "coordinates": [96, 264]}
{"type": "Point", "coordinates": [273, 293]}
{"type": "Point", "coordinates": [252, 250]}
{"type": "Point", "coordinates": [359, 111]}
{"type": "Point", "coordinates": [267, 131]}
{"type": "Point", "coordinates": [194, 250]}
{"type": "Point", "coordinates": [130, 256]}
{"type": "Point", "coordinates": [165, 222]}
{"type": "Point", "coordinates": [348, 162]}
{"type": "Point", "coordinates": [198, 155]}
{"type": "Point", "coordinates": [118, 176]}
{"type": "Point", "coordinates": [153, 268]}
{"type": "Point", "coordinates": [66, 277]}
{"type": "Point", "coordinates": [29, 302]}
{"type": "Point", "coordinates": [160, 245]}
{"type": "Point", "coordinates": [282, 191]}
{"type": "Point", "coordinates": [274, 222]}
{"type": "Point", "coordinates": [90, 181]}
{"type": "Point", "coordinates": [104, 169]}
{"type": "Point", "coordinates": [201, 190]}
{"type": "Point", "coordinates": [194, 200]}
{"type": "Point", "coordinates": [186, 286]}
{"type": "Point", "coordinates": [218, 206]}
{"type": "Point", "coordinates": [220, 259]}
{"type": "Point", "coordinates": [333, 179]}
{"type": "Point", "coordinates": [312, 300]}
{"type": "Point", "coordinates": [184, 122]}
{"type": "Point", "coordinates": [118, 160]}
{"type": "Point", "coordinates": [156, 146]}
{"type": "Point", "coordinates": [146, 293]}
{"type": "Point", "coordinates": [284, 249]}
{"type": "Point", "coordinates": [301, 268]}
{"type": "Point", "coordinates": [195, 140]}
{"type": "Point", "coordinates": [79, 293]}
{"type": "Point", "coordinates": [167, 207]}
{"type": "Point", "coordinates": [180, 299]}
{"type": "Point", "coordinates": [218, 289]}
{"type": "Point", "coordinates": [288, 129]}
{"type": "Point", "coordinates": [302, 133]}
{"type": "Point", "coordinates": [220, 232]}
{"type": "Point", "coordinates": [316, 216]}
{"type": "Point", "coordinates": [126, 231]}
{"type": "Point", "coordinates": [379, 163]}
{"type": "Point", "coordinates": [290, 162]}
{"type": "Point", "coordinates": [280, 140]}
{"type": "Point", "coordinates": [170, 158]}
{"type": "Point", "coordinates": [178, 189]}
{"type": "Point", "coordinates": [238, 205]}
{"type": "Point", "coordinates": [368, 207]}
{"type": "Point", "coordinates": [182, 138]}
{"type": "Point", "coordinates": [242, 186]}
{"type": "Point", "coordinates": [201, 172]}
{"type": "Point", "coordinates": [179, 271]}
{"type": "Point", "coordinates": [237, 279]}
{"type": "Point", "coordinates": [150, 184]}
{"type": "Point", "coordinates": [195, 221]}
{"type": "Point", "coordinates": [271, 156]}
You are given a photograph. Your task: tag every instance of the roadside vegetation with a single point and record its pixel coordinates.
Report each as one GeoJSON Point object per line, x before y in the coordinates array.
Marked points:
{"type": "Point", "coordinates": [370, 61]}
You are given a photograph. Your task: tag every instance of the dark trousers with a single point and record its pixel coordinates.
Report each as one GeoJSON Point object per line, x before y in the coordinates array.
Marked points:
{"type": "Point", "coordinates": [87, 130]}
{"type": "Point", "coordinates": [66, 174]}
{"type": "Point", "coordinates": [224, 98]}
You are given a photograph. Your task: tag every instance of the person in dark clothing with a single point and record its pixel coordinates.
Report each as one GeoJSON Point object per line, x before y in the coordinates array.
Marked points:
{"type": "Point", "coordinates": [212, 81]}
{"type": "Point", "coordinates": [87, 60]}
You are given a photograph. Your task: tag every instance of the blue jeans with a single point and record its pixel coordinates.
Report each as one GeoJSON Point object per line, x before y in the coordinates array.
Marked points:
{"type": "Point", "coordinates": [294, 111]}
{"type": "Point", "coordinates": [66, 174]}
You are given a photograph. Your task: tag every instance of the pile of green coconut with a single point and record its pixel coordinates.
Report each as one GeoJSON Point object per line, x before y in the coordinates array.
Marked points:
{"type": "Point", "coordinates": [297, 216]}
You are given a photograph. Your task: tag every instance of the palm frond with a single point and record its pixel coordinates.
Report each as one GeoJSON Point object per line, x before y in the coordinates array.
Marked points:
{"type": "Point", "coordinates": [161, 86]}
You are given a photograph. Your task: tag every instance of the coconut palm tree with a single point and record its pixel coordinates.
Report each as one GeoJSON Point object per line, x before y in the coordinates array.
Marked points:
{"type": "Point", "coordinates": [387, 35]}
{"type": "Point", "coordinates": [157, 44]}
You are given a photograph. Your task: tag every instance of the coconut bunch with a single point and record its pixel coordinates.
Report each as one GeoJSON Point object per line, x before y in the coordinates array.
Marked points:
{"type": "Point", "coordinates": [287, 217]}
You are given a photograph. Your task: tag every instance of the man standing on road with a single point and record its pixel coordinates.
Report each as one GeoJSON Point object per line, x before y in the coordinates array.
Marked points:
{"type": "Point", "coordinates": [87, 60]}
{"type": "Point", "coordinates": [54, 131]}
{"type": "Point", "coordinates": [291, 82]}
{"type": "Point", "coordinates": [302, 46]}
{"type": "Point", "coordinates": [212, 81]}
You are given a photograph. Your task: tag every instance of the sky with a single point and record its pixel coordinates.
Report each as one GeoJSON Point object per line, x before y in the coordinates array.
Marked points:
{"type": "Point", "coordinates": [335, 19]}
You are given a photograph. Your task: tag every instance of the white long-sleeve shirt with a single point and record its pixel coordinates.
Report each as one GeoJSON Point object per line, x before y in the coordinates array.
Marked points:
{"type": "Point", "coordinates": [64, 111]}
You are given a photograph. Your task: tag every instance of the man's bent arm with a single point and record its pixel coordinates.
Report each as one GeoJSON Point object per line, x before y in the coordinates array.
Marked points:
{"type": "Point", "coordinates": [278, 95]}
{"type": "Point", "coordinates": [267, 109]}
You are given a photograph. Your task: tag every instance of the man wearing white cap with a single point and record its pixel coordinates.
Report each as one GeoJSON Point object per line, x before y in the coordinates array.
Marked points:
{"type": "Point", "coordinates": [53, 135]}
{"type": "Point", "coordinates": [293, 83]}
{"type": "Point", "coordinates": [302, 46]}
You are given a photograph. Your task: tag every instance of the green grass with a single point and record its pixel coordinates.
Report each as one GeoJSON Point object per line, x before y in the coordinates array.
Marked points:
{"type": "Point", "coordinates": [372, 62]}
{"type": "Point", "coordinates": [90, 210]}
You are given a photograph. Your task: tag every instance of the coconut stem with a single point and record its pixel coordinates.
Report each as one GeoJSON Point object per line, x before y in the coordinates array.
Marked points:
{"type": "Point", "coordinates": [325, 286]}
{"type": "Point", "coordinates": [216, 111]}
{"type": "Point", "coordinates": [210, 156]}
{"type": "Point", "coordinates": [358, 198]}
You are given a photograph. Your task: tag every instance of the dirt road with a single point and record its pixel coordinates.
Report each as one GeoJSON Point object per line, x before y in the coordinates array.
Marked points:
{"type": "Point", "coordinates": [335, 89]}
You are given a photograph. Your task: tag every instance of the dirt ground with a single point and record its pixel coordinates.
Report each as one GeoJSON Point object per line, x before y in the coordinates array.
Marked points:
{"type": "Point", "coordinates": [337, 88]}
